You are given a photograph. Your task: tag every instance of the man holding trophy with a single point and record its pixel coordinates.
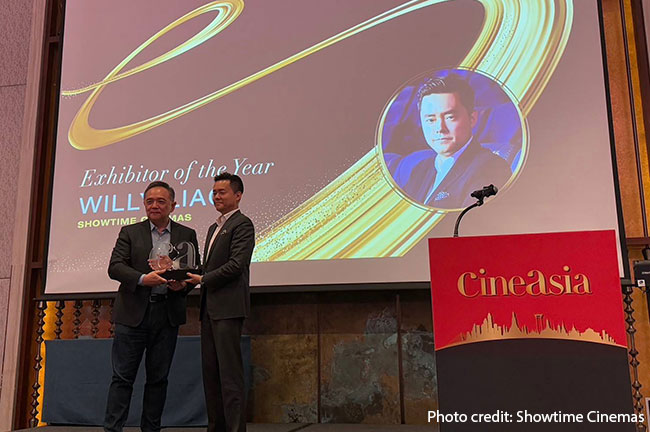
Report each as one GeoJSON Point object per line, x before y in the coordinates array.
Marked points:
{"type": "Point", "coordinates": [150, 305]}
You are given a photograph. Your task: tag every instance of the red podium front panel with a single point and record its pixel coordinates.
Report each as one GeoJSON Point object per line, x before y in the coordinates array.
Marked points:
{"type": "Point", "coordinates": [530, 324]}
{"type": "Point", "coordinates": [549, 286]}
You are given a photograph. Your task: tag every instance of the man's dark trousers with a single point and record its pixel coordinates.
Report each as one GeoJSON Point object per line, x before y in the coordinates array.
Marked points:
{"type": "Point", "coordinates": [221, 360]}
{"type": "Point", "coordinates": [158, 337]}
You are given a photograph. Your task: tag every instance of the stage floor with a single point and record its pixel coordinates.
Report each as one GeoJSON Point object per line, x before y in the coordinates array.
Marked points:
{"type": "Point", "coordinates": [293, 427]}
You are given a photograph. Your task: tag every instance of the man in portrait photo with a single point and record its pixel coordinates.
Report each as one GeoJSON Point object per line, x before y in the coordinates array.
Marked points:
{"type": "Point", "coordinates": [455, 164]}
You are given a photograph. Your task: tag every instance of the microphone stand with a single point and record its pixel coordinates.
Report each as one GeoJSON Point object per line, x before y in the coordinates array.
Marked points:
{"type": "Point", "coordinates": [460, 216]}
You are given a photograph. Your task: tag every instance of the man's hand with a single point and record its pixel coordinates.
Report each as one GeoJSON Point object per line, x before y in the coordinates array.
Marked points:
{"type": "Point", "coordinates": [153, 278]}
{"type": "Point", "coordinates": [193, 278]}
{"type": "Point", "coordinates": [176, 285]}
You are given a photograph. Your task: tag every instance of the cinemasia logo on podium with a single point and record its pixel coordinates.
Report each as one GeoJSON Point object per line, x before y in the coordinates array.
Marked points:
{"type": "Point", "coordinates": [532, 283]}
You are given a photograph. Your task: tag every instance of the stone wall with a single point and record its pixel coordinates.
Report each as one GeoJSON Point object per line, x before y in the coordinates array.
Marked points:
{"type": "Point", "coordinates": [15, 22]}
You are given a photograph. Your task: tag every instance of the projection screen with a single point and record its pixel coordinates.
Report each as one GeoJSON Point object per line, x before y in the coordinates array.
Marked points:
{"type": "Point", "coordinates": [320, 107]}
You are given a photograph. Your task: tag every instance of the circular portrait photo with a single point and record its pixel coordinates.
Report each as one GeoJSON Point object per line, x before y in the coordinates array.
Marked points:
{"type": "Point", "coordinates": [448, 133]}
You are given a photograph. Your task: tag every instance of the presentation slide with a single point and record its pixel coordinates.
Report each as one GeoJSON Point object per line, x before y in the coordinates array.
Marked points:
{"type": "Point", "coordinates": [360, 128]}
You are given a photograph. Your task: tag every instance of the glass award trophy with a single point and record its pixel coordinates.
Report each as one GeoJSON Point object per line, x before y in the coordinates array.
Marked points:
{"type": "Point", "coordinates": [176, 260]}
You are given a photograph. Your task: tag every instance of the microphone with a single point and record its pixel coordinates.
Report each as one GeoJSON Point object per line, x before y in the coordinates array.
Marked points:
{"type": "Point", "coordinates": [487, 191]}
{"type": "Point", "coordinates": [480, 195]}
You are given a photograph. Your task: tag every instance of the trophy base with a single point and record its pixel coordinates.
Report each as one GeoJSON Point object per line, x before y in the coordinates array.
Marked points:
{"type": "Point", "coordinates": [180, 274]}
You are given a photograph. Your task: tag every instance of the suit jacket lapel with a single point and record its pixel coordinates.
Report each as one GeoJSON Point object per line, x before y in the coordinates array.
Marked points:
{"type": "Point", "coordinates": [207, 241]}
{"type": "Point", "coordinates": [147, 244]}
{"type": "Point", "coordinates": [428, 179]}
{"type": "Point", "coordinates": [229, 223]}
{"type": "Point", "coordinates": [459, 169]}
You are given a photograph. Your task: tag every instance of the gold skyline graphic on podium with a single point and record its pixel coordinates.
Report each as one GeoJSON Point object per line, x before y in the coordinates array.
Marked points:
{"type": "Point", "coordinates": [489, 330]}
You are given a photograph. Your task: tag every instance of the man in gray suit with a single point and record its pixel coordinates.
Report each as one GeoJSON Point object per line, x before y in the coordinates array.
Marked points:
{"type": "Point", "coordinates": [148, 310]}
{"type": "Point", "coordinates": [225, 302]}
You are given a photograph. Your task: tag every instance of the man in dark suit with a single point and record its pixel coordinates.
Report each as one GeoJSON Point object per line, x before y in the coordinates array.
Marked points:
{"type": "Point", "coordinates": [147, 312]}
{"type": "Point", "coordinates": [225, 302]}
{"type": "Point", "coordinates": [456, 164]}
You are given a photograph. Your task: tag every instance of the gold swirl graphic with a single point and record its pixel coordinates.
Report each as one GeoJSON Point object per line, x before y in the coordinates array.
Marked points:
{"type": "Point", "coordinates": [228, 12]}
{"type": "Point", "coordinates": [359, 214]}
{"type": "Point", "coordinates": [84, 137]}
